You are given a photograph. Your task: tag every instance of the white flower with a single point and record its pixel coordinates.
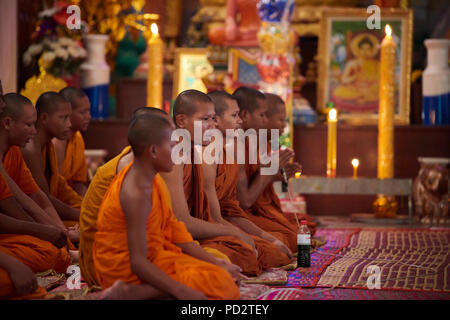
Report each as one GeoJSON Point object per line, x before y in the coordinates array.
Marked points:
{"type": "Point", "coordinates": [48, 56]}
{"type": "Point", "coordinates": [73, 52]}
{"type": "Point", "coordinates": [35, 49]}
{"type": "Point", "coordinates": [27, 58]}
{"type": "Point", "coordinates": [55, 46]}
{"type": "Point", "coordinates": [61, 53]}
{"type": "Point", "coordinates": [65, 41]}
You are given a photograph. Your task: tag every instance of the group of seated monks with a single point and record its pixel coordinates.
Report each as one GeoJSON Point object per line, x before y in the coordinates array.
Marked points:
{"type": "Point", "coordinates": [143, 227]}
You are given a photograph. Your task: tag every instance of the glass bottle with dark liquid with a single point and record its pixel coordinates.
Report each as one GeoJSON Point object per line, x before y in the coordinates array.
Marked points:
{"type": "Point", "coordinates": [303, 244]}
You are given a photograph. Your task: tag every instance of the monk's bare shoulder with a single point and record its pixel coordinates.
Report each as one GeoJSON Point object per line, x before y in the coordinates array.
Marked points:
{"type": "Point", "coordinates": [124, 161]}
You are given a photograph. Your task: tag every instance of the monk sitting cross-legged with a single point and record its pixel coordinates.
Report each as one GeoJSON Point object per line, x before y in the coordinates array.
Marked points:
{"type": "Point", "coordinates": [53, 121]}
{"type": "Point", "coordinates": [94, 196]}
{"type": "Point", "coordinates": [140, 246]}
{"type": "Point", "coordinates": [187, 178]}
{"type": "Point", "coordinates": [24, 199]}
{"type": "Point", "coordinates": [93, 199]}
{"type": "Point", "coordinates": [255, 191]}
{"type": "Point", "coordinates": [221, 181]}
{"type": "Point", "coordinates": [70, 151]}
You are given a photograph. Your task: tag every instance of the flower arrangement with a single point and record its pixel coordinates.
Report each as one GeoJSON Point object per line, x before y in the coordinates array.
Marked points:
{"type": "Point", "coordinates": [53, 45]}
{"type": "Point", "coordinates": [63, 56]}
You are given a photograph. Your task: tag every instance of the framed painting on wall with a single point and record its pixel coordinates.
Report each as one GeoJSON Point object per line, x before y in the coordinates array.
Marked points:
{"type": "Point", "coordinates": [349, 63]}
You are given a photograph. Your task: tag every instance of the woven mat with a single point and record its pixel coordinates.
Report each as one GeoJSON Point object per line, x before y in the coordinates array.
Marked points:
{"type": "Point", "coordinates": [409, 259]}
{"type": "Point", "coordinates": [350, 294]}
{"type": "Point", "coordinates": [336, 241]}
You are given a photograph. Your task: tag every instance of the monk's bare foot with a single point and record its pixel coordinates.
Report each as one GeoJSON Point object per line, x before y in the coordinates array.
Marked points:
{"type": "Point", "coordinates": [118, 291]}
{"type": "Point", "coordinates": [74, 255]}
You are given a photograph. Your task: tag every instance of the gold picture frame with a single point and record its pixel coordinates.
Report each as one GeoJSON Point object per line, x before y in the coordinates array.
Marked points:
{"type": "Point", "coordinates": [190, 66]}
{"type": "Point", "coordinates": [357, 100]}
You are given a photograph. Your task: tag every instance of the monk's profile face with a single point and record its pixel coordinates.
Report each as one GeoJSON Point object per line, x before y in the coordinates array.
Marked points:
{"type": "Point", "coordinates": [205, 112]}
{"type": "Point", "coordinates": [22, 130]}
{"type": "Point", "coordinates": [258, 118]}
{"type": "Point", "coordinates": [58, 123]}
{"type": "Point", "coordinates": [277, 120]}
{"type": "Point", "coordinates": [163, 152]}
{"type": "Point", "coordinates": [81, 114]}
{"type": "Point", "coordinates": [230, 118]}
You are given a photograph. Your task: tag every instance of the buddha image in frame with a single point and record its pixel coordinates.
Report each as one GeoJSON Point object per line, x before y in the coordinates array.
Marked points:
{"type": "Point", "coordinates": [354, 70]}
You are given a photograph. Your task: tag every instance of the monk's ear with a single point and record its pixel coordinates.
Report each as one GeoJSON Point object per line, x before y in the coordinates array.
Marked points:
{"type": "Point", "coordinates": [180, 120]}
{"type": "Point", "coordinates": [44, 117]}
{"type": "Point", "coordinates": [6, 122]}
{"type": "Point", "coordinates": [152, 151]}
{"type": "Point", "coordinates": [244, 114]}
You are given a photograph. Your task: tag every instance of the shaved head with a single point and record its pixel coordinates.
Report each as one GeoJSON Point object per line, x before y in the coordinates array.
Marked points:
{"type": "Point", "coordinates": [186, 102]}
{"type": "Point", "coordinates": [72, 95]}
{"type": "Point", "coordinates": [14, 106]}
{"type": "Point", "coordinates": [247, 98]}
{"type": "Point", "coordinates": [148, 110]}
{"type": "Point", "coordinates": [219, 99]}
{"type": "Point", "coordinates": [146, 130]}
{"type": "Point", "coordinates": [274, 102]}
{"type": "Point", "coordinates": [49, 102]}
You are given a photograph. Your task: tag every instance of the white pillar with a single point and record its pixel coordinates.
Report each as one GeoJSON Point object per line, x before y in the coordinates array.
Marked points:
{"type": "Point", "coordinates": [8, 45]}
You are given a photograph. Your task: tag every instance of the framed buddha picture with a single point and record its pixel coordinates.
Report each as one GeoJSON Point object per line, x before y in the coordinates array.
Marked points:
{"type": "Point", "coordinates": [349, 63]}
{"type": "Point", "coordinates": [190, 67]}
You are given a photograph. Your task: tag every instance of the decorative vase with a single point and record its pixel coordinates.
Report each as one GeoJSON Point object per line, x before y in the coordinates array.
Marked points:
{"type": "Point", "coordinates": [431, 191]}
{"type": "Point", "coordinates": [95, 75]}
{"type": "Point", "coordinates": [436, 83]}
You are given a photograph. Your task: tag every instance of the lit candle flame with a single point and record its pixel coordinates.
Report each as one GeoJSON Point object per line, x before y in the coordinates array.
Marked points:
{"type": "Point", "coordinates": [332, 115]}
{"type": "Point", "coordinates": [388, 30]}
{"type": "Point", "coordinates": [154, 28]}
{"type": "Point", "coordinates": [355, 163]}
{"type": "Point", "coordinates": [297, 175]}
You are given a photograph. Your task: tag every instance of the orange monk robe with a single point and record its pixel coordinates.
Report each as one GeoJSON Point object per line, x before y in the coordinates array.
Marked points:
{"type": "Point", "coordinates": [59, 188]}
{"type": "Point", "coordinates": [238, 251]}
{"type": "Point", "coordinates": [17, 170]}
{"type": "Point", "coordinates": [89, 215]}
{"type": "Point", "coordinates": [269, 255]}
{"type": "Point", "coordinates": [164, 231]}
{"type": "Point", "coordinates": [37, 254]}
{"type": "Point", "coordinates": [74, 167]}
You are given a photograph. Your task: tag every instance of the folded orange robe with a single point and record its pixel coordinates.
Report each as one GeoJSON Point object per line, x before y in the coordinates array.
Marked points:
{"type": "Point", "coordinates": [164, 231]}
{"type": "Point", "coordinates": [89, 214]}
{"type": "Point", "coordinates": [226, 180]}
{"type": "Point", "coordinates": [37, 254]}
{"type": "Point", "coordinates": [74, 167]}
{"type": "Point", "coordinates": [237, 251]}
{"type": "Point", "coordinates": [58, 185]}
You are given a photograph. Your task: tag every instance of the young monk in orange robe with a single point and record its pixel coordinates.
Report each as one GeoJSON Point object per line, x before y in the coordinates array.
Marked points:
{"type": "Point", "coordinates": [139, 243]}
{"type": "Point", "coordinates": [93, 199]}
{"type": "Point", "coordinates": [194, 210]}
{"type": "Point", "coordinates": [271, 251]}
{"type": "Point", "coordinates": [70, 151]}
{"type": "Point", "coordinates": [255, 192]}
{"type": "Point", "coordinates": [29, 202]}
{"type": "Point", "coordinates": [53, 120]}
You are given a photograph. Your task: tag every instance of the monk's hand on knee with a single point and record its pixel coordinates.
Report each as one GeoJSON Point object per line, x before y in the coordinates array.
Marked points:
{"type": "Point", "coordinates": [281, 246]}
{"type": "Point", "coordinates": [23, 279]}
{"type": "Point", "coordinates": [56, 236]}
{"type": "Point", "coordinates": [233, 270]}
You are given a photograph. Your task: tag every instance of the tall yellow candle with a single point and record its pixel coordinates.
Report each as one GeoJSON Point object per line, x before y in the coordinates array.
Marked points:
{"type": "Point", "coordinates": [386, 107]}
{"type": "Point", "coordinates": [155, 69]}
{"type": "Point", "coordinates": [332, 137]}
